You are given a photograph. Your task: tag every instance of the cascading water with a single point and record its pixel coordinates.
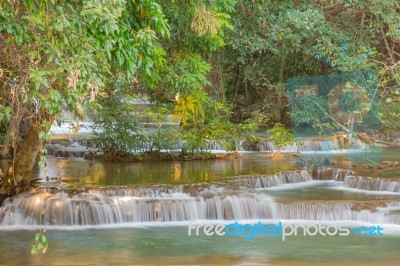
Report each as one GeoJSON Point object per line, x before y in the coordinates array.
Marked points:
{"type": "Point", "coordinates": [337, 211]}
{"type": "Point", "coordinates": [270, 146]}
{"type": "Point", "coordinates": [325, 173]}
{"type": "Point", "coordinates": [372, 184]}
{"type": "Point", "coordinates": [303, 145]}
{"type": "Point", "coordinates": [278, 179]}
{"type": "Point", "coordinates": [317, 145]}
{"type": "Point", "coordinates": [153, 191]}
{"type": "Point", "coordinates": [68, 149]}
{"type": "Point", "coordinates": [95, 208]}
{"type": "Point", "coordinates": [237, 199]}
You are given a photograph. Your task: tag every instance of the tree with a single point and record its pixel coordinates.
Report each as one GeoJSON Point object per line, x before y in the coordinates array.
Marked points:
{"type": "Point", "coordinates": [57, 56]}
{"type": "Point", "coordinates": [281, 137]}
{"type": "Point", "coordinates": [197, 29]}
{"type": "Point", "coordinates": [274, 41]}
{"type": "Point", "coordinates": [369, 58]}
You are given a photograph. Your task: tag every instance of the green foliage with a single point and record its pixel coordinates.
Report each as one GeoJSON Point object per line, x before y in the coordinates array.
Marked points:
{"type": "Point", "coordinates": [159, 135]}
{"type": "Point", "coordinates": [40, 245]}
{"type": "Point", "coordinates": [5, 112]}
{"type": "Point", "coordinates": [197, 29]}
{"type": "Point", "coordinates": [213, 126]}
{"type": "Point", "coordinates": [117, 130]}
{"type": "Point", "coordinates": [182, 75]}
{"type": "Point", "coordinates": [312, 110]}
{"type": "Point", "coordinates": [274, 41]}
{"type": "Point", "coordinates": [67, 51]}
{"type": "Point", "coordinates": [281, 136]}
{"type": "Point", "coordinates": [390, 103]}
{"type": "Point", "coordinates": [188, 75]}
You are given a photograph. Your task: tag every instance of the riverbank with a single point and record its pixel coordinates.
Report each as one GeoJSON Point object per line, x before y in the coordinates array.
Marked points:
{"type": "Point", "coordinates": [157, 155]}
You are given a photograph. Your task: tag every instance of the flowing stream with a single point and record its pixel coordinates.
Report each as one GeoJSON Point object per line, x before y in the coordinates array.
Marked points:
{"type": "Point", "coordinates": [99, 213]}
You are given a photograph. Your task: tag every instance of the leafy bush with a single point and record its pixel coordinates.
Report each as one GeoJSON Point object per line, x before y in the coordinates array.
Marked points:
{"type": "Point", "coordinates": [117, 130]}
{"type": "Point", "coordinates": [281, 136]}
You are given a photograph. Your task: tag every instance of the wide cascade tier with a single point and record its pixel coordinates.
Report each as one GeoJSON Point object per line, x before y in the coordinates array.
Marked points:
{"type": "Point", "coordinates": [241, 198]}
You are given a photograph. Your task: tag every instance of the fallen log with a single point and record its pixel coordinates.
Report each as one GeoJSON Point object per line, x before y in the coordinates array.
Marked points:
{"type": "Point", "coordinates": [368, 140]}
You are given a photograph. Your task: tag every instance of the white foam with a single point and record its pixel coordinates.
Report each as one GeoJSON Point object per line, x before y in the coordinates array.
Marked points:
{"type": "Point", "coordinates": [292, 186]}
{"type": "Point", "coordinates": [370, 192]}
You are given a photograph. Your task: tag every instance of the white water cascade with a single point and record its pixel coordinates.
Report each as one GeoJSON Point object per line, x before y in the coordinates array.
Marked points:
{"type": "Point", "coordinates": [372, 183]}
{"type": "Point", "coordinates": [326, 173]}
{"type": "Point", "coordinates": [237, 199]}
{"type": "Point", "coordinates": [278, 179]}
{"type": "Point", "coordinates": [95, 208]}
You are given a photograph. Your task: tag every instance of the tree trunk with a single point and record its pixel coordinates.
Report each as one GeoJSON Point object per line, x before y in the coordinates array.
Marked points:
{"type": "Point", "coordinates": [12, 133]}
{"type": "Point", "coordinates": [18, 176]}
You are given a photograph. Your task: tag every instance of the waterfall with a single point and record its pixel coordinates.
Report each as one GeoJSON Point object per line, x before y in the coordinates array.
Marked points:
{"type": "Point", "coordinates": [61, 148]}
{"type": "Point", "coordinates": [96, 208]}
{"type": "Point", "coordinates": [300, 145]}
{"type": "Point", "coordinates": [372, 184]}
{"type": "Point", "coordinates": [103, 207]}
{"type": "Point", "coordinates": [270, 146]}
{"type": "Point", "coordinates": [266, 146]}
{"type": "Point", "coordinates": [325, 173]}
{"type": "Point", "coordinates": [317, 145]}
{"type": "Point", "coordinates": [153, 191]}
{"type": "Point", "coordinates": [320, 211]}
{"type": "Point", "coordinates": [339, 211]}
{"type": "Point", "coordinates": [278, 179]}
{"type": "Point", "coordinates": [236, 199]}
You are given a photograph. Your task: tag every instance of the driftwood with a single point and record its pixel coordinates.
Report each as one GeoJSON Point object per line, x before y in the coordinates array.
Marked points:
{"type": "Point", "coordinates": [366, 138]}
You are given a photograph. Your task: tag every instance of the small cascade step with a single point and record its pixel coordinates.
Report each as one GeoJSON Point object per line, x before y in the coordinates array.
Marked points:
{"type": "Point", "coordinates": [372, 183]}
{"type": "Point", "coordinates": [326, 173]}
{"type": "Point", "coordinates": [281, 178]}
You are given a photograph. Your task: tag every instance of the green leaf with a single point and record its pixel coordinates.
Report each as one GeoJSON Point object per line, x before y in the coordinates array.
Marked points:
{"type": "Point", "coordinates": [44, 239]}
{"type": "Point", "coordinates": [37, 236]}
{"type": "Point", "coordinates": [34, 251]}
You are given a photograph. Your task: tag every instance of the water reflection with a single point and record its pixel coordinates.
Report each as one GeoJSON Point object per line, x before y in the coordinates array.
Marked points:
{"type": "Point", "coordinates": [73, 172]}
{"type": "Point", "coordinates": [80, 172]}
